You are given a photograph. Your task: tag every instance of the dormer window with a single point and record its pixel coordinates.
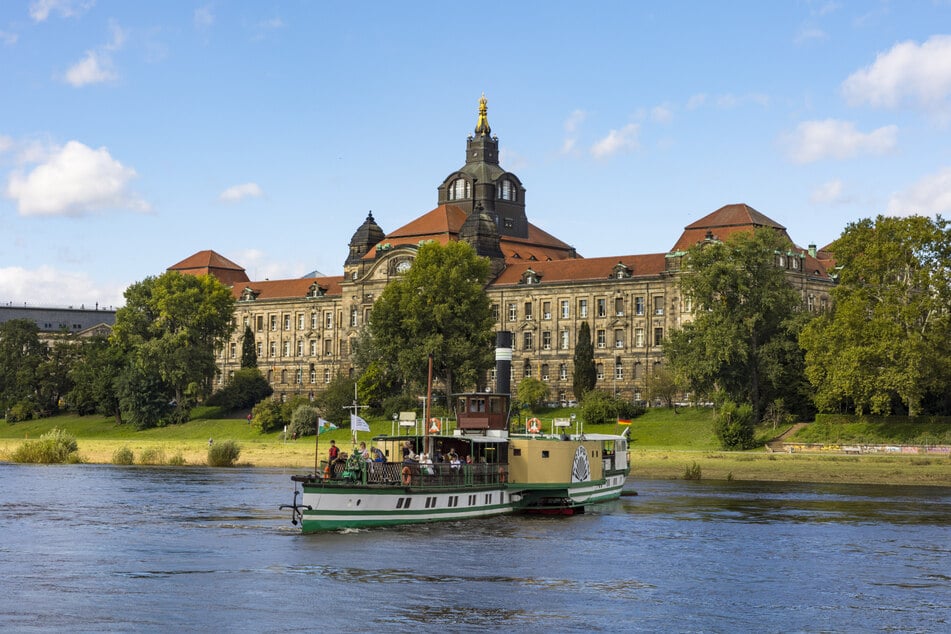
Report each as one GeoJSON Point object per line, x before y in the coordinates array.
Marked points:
{"type": "Point", "coordinates": [315, 290]}
{"type": "Point", "coordinates": [506, 190]}
{"type": "Point", "coordinates": [249, 294]}
{"type": "Point", "coordinates": [530, 277]}
{"type": "Point", "coordinates": [620, 271]}
{"type": "Point", "coordinates": [459, 189]}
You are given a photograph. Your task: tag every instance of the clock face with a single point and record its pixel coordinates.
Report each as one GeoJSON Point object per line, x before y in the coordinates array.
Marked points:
{"type": "Point", "coordinates": [402, 266]}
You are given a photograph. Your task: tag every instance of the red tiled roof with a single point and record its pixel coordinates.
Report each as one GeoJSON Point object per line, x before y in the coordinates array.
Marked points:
{"type": "Point", "coordinates": [289, 289]}
{"type": "Point", "coordinates": [209, 262]}
{"type": "Point", "coordinates": [443, 223]}
{"type": "Point", "coordinates": [724, 222]}
{"type": "Point", "coordinates": [579, 269]}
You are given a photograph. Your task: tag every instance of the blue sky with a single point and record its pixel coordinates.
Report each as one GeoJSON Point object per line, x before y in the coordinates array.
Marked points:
{"type": "Point", "coordinates": [133, 134]}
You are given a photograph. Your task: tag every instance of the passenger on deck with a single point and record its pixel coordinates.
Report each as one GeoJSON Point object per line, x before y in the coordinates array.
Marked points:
{"type": "Point", "coordinates": [378, 455]}
{"type": "Point", "coordinates": [407, 450]}
{"type": "Point", "coordinates": [363, 451]}
{"type": "Point", "coordinates": [454, 462]}
{"type": "Point", "coordinates": [426, 465]}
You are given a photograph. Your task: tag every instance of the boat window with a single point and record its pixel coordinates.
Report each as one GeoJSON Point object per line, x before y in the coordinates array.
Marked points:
{"type": "Point", "coordinates": [545, 453]}
{"type": "Point", "coordinates": [517, 452]}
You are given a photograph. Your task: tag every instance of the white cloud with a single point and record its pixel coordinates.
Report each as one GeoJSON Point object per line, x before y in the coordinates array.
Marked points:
{"type": "Point", "coordinates": [572, 123]}
{"type": "Point", "coordinates": [203, 17]}
{"type": "Point", "coordinates": [661, 114]}
{"type": "Point", "coordinates": [930, 195]}
{"type": "Point", "coordinates": [260, 266]}
{"type": "Point", "coordinates": [240, 192]}
{"type": "Point", "coordinates": [48, 286]}
{"type": "Point", "coordinates": [40, 10]}
{"type": "Point", "coordinates": [828, 193]}
{"type": "Point", "coordinates": [5, 143]}
{"type": "Point", "coordinates": [909, 73]}
{"type": "Point", "coordinates": [617, 141]}
{"type": "Point", "coordinates": [832, 138]}
{"type": "Point", "coordinates": [95, 68]}
{"type": "Point", "coordinates": [8, 38]}
{"type": "Point", "coordinates": [74, 180]}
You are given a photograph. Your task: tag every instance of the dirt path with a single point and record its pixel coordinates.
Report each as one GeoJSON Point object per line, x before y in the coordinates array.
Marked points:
{"type": "Point", "coordinates": [776, 443]}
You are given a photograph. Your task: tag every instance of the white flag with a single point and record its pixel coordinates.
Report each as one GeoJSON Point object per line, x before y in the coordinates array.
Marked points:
{"type": "Point", "coordinates": [358, 424]}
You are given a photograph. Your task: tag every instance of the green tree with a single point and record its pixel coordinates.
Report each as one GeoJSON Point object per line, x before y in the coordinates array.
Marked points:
{"type": "Point", "coordinates": [21, 354]}
{"type": "Point", "coordinates": [663, 385]}
{"type": "Point", "coordinates": [249, 354]}
{"type": "Point", "coordinates": [439, 307]}
{"type": "Point", "coordinates": [734, 426]}
{"type": "Point", "coordinates": [172, 326]}
{"type": "Point", "coordinates": [531, 392]}
{"type": "Point", "coordinates": [744, 337]}
{"type": "Point", "coordinates": [886, 343]}
{"type": "Point", "coordinates": [585, 374]}
{"type": "Point", "coordinates": [246, 388]}
{"type": "Point", "coordinates": [94, 374]}
{"type": "Point", "coordinates": [334, 400]}
{"type": "Point", "coordinates": [53, 380]}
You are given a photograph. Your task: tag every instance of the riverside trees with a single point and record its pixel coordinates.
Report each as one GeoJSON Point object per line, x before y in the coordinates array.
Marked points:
{"type": "Point", "coordinates": [743, 340]}
{"type": "Point", "coordinates": [886, 343]}
{"type": "Point", "coordinates": [439, 307]}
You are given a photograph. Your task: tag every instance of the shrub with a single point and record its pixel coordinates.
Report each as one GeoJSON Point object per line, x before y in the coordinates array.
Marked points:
{"type": "Point", "coordinates": [733, 425]}
{"type": "Point", "coordinates": [21, 411]}
{"type": "Point", "coordinates": [692, 471]}
{"type": "Point", "coordinates": [177, 460]}
{"type": "Point", "coordinates": [600, 408]}
{"type": "Point", "coordinates": [303, 421]}
{"type": "Point", "coordinates": [223, 454]}
{"type": "Point", "coordinates": [152, 455]}
{"type": "Point", "coordinates": [123, 455]}
{"type": "Point", "coordinates": [266, 416]}
{"type": "Point", "coordinates": [55, 446]}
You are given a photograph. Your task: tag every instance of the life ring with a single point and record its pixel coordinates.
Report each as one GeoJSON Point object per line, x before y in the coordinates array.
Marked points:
{"type": "Point", "coordinates": [534, 425]}
{"type": "Point", "coordinates": [433, 425]}
{"type": "Point", "coordinates": [407, 476]}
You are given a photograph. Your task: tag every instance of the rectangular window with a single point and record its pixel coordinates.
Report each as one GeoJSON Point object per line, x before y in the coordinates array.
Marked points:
{"type": "Point", "coordinates": [260, 323]}
{"type": "Point", "coordinates": [600, 371]}
{"type": "Point", "coordinates": [327, 376]}
{"type": "Point", "coordinates": [313, 376]}
{"type": "Point", "coordinates": [273, 349]}
{"type": "Point", "coordinates": [618, 371]}
{"type": "Point", "coordinates": [528, 370]}
{"type": "Point", "coordinates": [565, 310]}
{"type": "Point", "coordinates": [328, 319]}
{"type": "Point", "coordinates": [688, 304]}
{"type": "Point", "coordinates": [659, 305]}
{"type": "Point", "coordinates": [513, 311]}
{"type": "Point", "coordinates": [546, 340]}
{"type": "Point", "coordinates": [619, 306]}
{"type": "Point", "coordinates": [287, 322]}
{"type": "Point", "coordinates": [313, 347]}
{"type": "Point", "coordinates": [600, 338]}
{"type": "Point", "coordinates": [638, 337]}
{"type": "Point", "coordinates": [233, 349]}
{"type": "Point", "coordinates": [563, 372]}
{"type": "Point", "coordinates": [495, 312]}
{"type": "Point", "coordinates": [638, 305]}
{"type": "Point", "coordinates": [602, 307]}
{"type": "Point", "coordinates": [565, 339]}
{"type": "Point", "coordinates": [544, 372]}
{"type": "Point", "coordinates": [354, 315]}
{"type": "Point", "coordinates": [300, 321]}
{"type": "Point", "coordinates": [300, 376]}
{"type": "Point", "coordinates": [300, 348]}
{"type": "Point", "coordinates": [246, 322]}
{"type": "Point", "coordinates": [528, 340]}
{"type": "Point", "coordinates": [546, 310]}
{"type": "Point", "coordinates": [260, 349]}
{"type": "Point", "coordinates": [313, 320]}
{"type": "Point", "coordinates": [582, 308]}
{"type": "Point", "coordinates": [286, 349]}
{"type": "Point", "coordinates": [528, 310]}
{"type": "Point", "coordinates": [328, 347]}
{"type": "Point", "coordinates": [273, 322]}
{"type": "Point", "coordinates": [618, 338]}
{"type": "Point", "coordinates": [658, 336]}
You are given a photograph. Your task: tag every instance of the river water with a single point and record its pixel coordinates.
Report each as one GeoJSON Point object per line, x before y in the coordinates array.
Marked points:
{"type": "Point", "coordinates": [106, 548]}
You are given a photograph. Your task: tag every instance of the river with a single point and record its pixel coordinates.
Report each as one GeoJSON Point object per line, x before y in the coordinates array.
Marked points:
{"type": "Point", "coordinates": [94, 548]}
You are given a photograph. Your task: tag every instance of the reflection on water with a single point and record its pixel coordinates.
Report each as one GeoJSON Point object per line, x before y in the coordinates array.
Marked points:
{"type": "Point", "coordinates": [100, 548]}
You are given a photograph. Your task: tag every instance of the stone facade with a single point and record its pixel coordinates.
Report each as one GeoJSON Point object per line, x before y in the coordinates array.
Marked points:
{"type": "Point", "coordinates": [542, 289]}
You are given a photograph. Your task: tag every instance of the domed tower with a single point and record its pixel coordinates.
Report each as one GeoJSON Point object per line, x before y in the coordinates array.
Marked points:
{"type": "Point", "coordinates": [367, 236]}
{"type": "Point", "coordinates": [483, 182]}
{"type": "Point", "coordinates": [480, 231]}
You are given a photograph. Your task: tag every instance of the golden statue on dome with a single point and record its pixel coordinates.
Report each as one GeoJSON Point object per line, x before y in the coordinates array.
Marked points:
{"type": "Point", "coordinates": [482, 127]}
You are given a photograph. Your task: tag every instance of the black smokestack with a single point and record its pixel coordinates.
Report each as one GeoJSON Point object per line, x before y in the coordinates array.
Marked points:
{"type": "Point", "coordinates": [503, 362]}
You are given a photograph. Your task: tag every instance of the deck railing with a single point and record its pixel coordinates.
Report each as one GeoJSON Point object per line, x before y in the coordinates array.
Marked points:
{"type": "Point", "coordinates": [425, 475]}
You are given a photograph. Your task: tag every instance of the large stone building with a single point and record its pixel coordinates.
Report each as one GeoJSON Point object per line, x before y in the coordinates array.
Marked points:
{"type": "Point", "coordinates": [542, 289]}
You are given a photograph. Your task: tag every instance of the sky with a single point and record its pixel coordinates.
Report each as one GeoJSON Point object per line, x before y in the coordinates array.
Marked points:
{"type": "Point", "coordinates": [135, 134]}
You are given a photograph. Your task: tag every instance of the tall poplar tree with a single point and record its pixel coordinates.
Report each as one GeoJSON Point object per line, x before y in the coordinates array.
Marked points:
{"type": "Point", "coordinates": [585, 373]}
{"type": "Point", "coordinates": [249, 355]}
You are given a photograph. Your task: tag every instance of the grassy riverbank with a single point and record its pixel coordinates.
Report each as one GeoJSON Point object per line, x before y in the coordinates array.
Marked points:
{"type": "Point", "coordinates": [663, 445]}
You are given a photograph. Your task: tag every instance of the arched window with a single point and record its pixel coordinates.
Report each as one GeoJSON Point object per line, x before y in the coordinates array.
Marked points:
{"type": "Point", "coordinates": [506, 190]}
{"type": "Point", "coordinates": [459, 189]}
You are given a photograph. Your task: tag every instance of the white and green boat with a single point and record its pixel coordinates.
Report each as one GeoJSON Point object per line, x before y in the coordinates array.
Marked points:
{"type": "Point", "coordinates": [478, 469]}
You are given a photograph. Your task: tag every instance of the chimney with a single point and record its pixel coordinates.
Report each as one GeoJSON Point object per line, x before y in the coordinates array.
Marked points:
{"type": "Point", "coordinates": [503, 362]}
